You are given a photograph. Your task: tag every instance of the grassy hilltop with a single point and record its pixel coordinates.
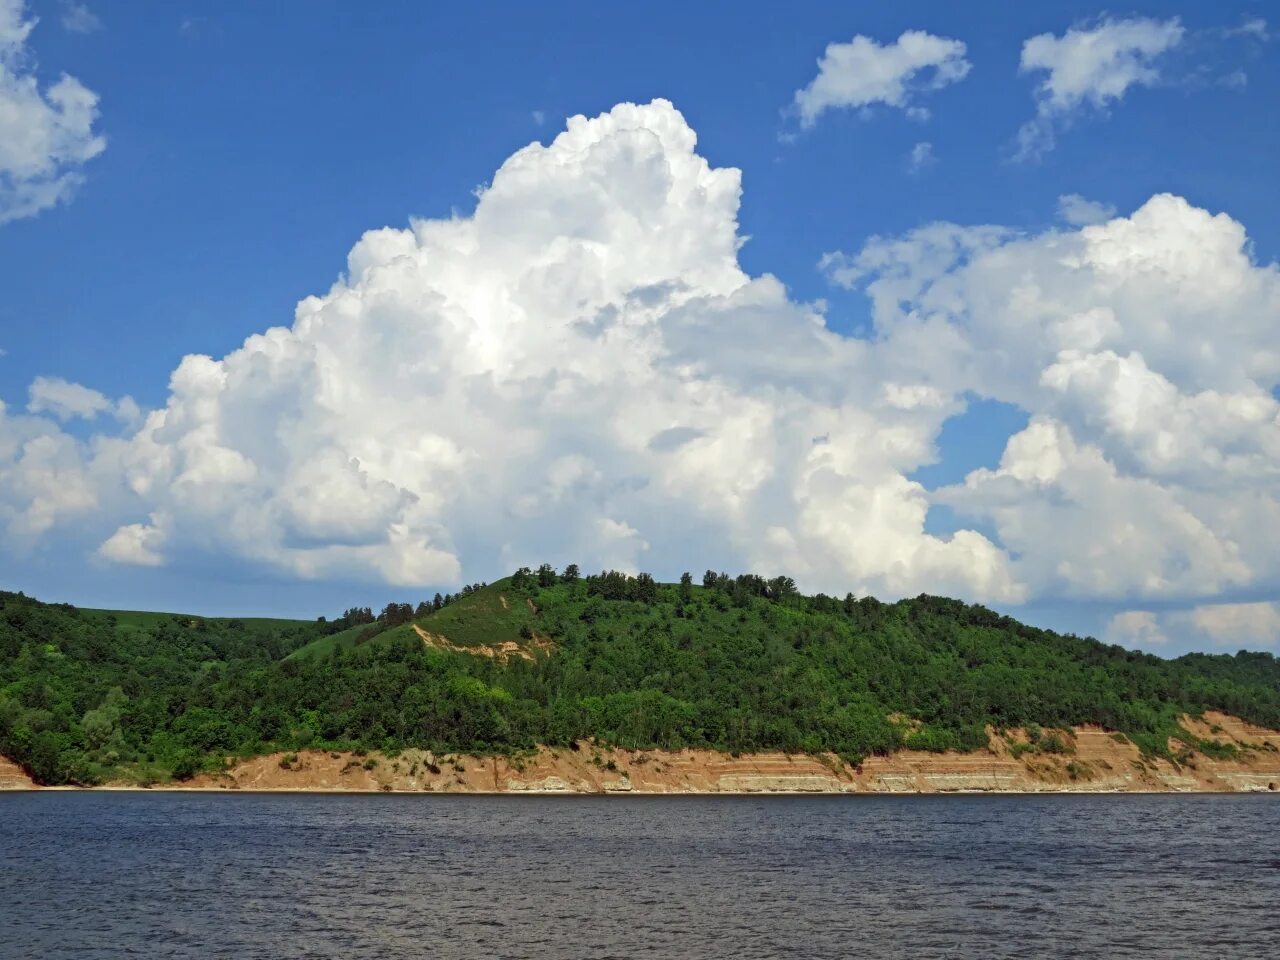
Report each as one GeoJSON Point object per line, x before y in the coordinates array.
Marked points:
{"type": "Point", "coordinates": [736, 664]}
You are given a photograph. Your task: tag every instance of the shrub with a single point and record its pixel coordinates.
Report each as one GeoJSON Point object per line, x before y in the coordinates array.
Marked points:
{"type": "Point", "coordinates": [933, 739]}
{"type": "Point", "coordinates": [1219, 750]}
{"type": "Point", "coordinates": [1054, 743]}
{"type": "Point", "coordinates": [186, 765]}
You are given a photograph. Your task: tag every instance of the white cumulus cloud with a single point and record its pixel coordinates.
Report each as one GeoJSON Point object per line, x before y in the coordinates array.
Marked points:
{"type": "Point", "coordinates": [68, 401]}
{"type": "Point", "coordinates": [862, 73]}
{"type": "Point", "coordinates": [1144, 350]}
{"type": "Point", "coordinates": [65, 400]}
{"type": "Point", "coordinates": [1229, 626]}
{"type": "Point", "coordinates": [1090, 67]}
{"type": "Point", "coordinates": [1239, 624]}
{"type": "Point", "coordinates": [136, 544]}
{"type": "Point", "coordinates": [579, 371]}
{"type": "Point", "coordinates": [1135, 628]}
{"type": "Point", "coordinates": [46, 136]}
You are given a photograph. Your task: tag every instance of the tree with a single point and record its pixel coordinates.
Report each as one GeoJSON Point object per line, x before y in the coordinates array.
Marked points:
{"type": "Point", "coordinates": [686, 587]}
{"type": "Point", "coordinates": [423, 610]}
{"type": "Point", "coordinates": [352, 617]}
{"type": "Point", "coordinates": [781, 589]}
{"type": "Point", "coordinates": [625, 660]}
{"type": "Point", "coordinates": [546, 575]}
{"type": "Point", "coordinates": [645, 589]}
{"type": "Point", "coordinates": [571, 574]}
{"type": "Point", "coordinates": [394, 614]}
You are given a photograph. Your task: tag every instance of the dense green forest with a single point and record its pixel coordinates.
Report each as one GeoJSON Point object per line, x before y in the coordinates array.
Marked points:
{"type": "Point", "coordinates": [738, 664]}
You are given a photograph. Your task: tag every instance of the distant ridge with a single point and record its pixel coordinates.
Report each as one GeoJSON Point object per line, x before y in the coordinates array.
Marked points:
{"type": "Point", "coordinates": [547, 659]}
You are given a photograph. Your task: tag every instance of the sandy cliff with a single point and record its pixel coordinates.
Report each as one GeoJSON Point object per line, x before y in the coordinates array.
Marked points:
{"type": "Point", "coordinates": [1094, 762]}
{"type": "Point", "coordinates": [12, 776]}
{"type": "Point", "coordinates": [1098, 762]}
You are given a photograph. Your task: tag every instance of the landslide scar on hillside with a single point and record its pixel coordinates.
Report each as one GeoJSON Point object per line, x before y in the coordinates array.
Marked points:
{"type": "Point", "coordinates": [502, 652]}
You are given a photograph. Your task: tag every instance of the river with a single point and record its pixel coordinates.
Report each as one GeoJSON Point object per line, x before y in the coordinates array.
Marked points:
{"type": "Point", "coordinates": [103, 874]}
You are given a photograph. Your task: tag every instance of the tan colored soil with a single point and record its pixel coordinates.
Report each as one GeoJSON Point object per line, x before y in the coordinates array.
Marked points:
{"type": "Point", "coordinates": [1099, 762]}
{"type": "Point", "coordinates": [13, 777]}
{"type": "Point", "coordinates": [502, 652]}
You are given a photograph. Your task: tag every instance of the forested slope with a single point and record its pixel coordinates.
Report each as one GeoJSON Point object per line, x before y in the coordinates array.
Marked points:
{"type": "Point", "coordinates": [737, 664]}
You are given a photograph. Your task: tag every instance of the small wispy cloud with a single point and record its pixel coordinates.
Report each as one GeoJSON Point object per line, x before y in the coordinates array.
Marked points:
{"type": "Point", "coordinates": [862, 73]}
{"type": "Point", "coordinates": [921, 156]}
{"type": "Point", "coordinates": [77, 18]}
{"type": "Point", "coordinates": [1089, 67]}
{"type": "Point", "coordinates": [1081, 212]}
{"type": "Point", "coordinates": [1254, 27]}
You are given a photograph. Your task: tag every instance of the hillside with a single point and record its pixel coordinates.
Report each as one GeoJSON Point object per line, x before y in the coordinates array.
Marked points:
{"type": "Point", "coordinates": [545, 661]}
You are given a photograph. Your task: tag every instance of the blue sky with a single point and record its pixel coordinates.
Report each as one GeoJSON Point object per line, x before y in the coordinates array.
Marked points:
{"type": "Point", "coordinates": [248, 147]}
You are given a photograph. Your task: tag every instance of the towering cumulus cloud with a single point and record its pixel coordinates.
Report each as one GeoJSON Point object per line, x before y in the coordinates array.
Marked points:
{"type": "Point", "coordinates": [578, 371]}
{"type": "Point", "coordinates": [581, 371]}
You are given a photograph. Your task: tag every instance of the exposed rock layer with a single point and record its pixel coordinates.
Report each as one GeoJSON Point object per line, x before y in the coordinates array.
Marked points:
{"type": "Point", "coordinates": [1095, 762]}
{"type": "Point", "coordinates": [13, 777]}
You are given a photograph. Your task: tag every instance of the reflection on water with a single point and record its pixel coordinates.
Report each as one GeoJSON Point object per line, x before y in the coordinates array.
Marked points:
{"type": "Point", "coordinates": [168, 875]}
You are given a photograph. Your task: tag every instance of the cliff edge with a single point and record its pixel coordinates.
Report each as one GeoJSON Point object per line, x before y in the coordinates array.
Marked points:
{"type": "Point", "coordinates": [1081, 760]}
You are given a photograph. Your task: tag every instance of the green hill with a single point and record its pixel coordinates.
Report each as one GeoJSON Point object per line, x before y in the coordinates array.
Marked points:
{"type": "Point", "coordinates": [737, 664]}
{"type": "Point", "coordinates": [480, 618]}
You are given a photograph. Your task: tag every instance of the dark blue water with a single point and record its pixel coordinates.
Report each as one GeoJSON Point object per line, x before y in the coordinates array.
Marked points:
{"type": "Point", "coordinates": [165, 875]}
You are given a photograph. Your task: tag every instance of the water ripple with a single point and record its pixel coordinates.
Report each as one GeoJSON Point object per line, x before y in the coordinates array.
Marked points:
{"type": "Point", "coordinates": [281, 877]}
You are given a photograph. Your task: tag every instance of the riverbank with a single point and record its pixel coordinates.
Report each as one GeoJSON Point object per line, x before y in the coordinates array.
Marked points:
{"type": "Point", "coordinates": [1081, 760]}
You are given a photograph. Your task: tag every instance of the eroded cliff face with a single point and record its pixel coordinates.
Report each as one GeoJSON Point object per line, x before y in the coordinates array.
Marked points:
{"type": "Point", "coordinates": [1094, 761]}
{"type": "Point", "coordinates": [13, 777]}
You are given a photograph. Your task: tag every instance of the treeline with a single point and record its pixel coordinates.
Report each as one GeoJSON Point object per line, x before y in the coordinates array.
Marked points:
{"type": "Point", "coordinates": [738, 664]}
{"type": "Point", "coordinates": [394, 614]}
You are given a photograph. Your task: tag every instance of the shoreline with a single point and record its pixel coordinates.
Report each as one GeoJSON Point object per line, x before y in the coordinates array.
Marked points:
{"type": "Point", "coordinates": [1084, 760]}
{"type": "Point", "coordinates": [574, 794]}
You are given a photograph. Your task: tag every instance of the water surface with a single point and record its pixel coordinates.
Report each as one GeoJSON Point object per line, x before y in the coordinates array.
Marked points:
{"type": "Point", "coordinates": [89, 875]}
